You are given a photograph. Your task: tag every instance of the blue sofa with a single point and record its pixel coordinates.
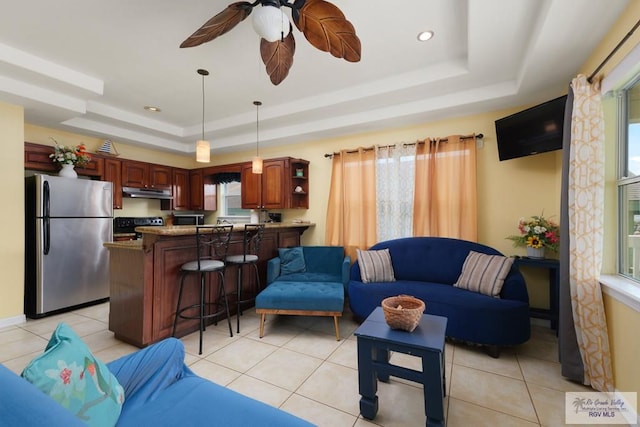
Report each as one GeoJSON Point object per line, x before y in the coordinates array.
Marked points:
{"type": "Point", "coordinates": [427, 268]}
{"type": "Point", "coordinates": [160, 390]}
{"type": "Point", "coordinates": [315, 287]}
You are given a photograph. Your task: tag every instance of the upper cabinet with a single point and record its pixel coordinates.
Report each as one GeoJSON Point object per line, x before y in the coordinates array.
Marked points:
{"type": "Point", "coordinates": [276, 187]}
{"type": "Point", "coordinates": [36, 157]}
{"type": "Point", "coordinates": [146, 175]}
{"type": "Point", "coordinates": [180, 190]}
{"type": "Point", "coordinates": [113, 174]}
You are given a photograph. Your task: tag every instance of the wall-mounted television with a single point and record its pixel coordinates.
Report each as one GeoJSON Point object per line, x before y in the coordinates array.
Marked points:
{"type": "Point", "coordinates": [532, 131]}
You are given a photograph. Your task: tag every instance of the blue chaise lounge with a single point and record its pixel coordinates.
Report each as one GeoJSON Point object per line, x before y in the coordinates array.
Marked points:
{"type": "Point", "coordinates": [305, 280]}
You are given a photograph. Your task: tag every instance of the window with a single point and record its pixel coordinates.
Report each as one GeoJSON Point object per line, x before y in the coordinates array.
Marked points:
{"type": "Point", "coordinates": [629, 180]}
{"type": "Point", "coordinates": [231, 202]}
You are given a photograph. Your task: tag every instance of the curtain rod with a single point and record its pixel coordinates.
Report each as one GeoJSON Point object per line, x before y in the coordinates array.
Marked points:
{"type": "Point", "coordinates": [478, 136]}
{"type": "Point", "coordinates": [613, 52]}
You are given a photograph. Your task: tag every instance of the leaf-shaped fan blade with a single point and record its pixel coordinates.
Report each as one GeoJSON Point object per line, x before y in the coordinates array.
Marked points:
{"type": "Point", "coordinates": [278, 57]}
{"type": "Point", "coordinates": [219, 24]}
{"type": "Point", "coordinates": [327, 29]}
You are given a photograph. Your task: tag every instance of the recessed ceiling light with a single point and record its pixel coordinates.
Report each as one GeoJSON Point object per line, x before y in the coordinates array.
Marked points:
{"type": "Point", "coordinates": [152, 109]}
{"type": "Point", "coordinates": [425, 35]}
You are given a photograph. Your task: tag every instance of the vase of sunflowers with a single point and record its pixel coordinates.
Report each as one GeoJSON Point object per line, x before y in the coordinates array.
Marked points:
{"type": "Point", "coordinates": [537, 234]}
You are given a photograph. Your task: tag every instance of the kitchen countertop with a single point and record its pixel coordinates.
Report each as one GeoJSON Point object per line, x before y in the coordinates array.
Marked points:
{"type": "Point", "coordinates": [125, 244]}
{"type": "Point", "coordinates": [185, 230]}
{"type": "Point", "coordinates": [182, 230]}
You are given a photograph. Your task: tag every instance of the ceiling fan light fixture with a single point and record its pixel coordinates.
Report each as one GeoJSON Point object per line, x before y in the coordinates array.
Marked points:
{"type": "Point", "coordinates": [270, 23]}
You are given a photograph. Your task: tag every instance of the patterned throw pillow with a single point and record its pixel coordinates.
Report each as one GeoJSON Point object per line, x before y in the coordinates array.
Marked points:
{"type": "Point", "coordinates": [72, 376]}
{"type": "Point", "coordinates": [484, 273]}
{"type": "Point", "coordinates": [292, 260]}
{"type": "Point", "coordinates": [375, 266]}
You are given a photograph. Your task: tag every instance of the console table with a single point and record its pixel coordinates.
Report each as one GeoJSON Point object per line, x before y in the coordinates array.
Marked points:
{"type": "Point", "coordinates": [553, 265]}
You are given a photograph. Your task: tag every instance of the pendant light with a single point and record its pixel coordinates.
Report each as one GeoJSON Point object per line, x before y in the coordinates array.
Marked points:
{"type": "Point", "coordinates": [256, 164]}
{"type": "Point", "coordinates": [203, 148]}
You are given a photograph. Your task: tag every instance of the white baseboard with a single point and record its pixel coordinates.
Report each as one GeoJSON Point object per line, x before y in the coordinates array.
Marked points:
{"type": "Point", "coordinates": [11, 321]}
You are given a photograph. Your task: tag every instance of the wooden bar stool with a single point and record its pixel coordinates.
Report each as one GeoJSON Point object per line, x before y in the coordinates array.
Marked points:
{"type": "Point", "coordinates": [212, 243]}
{"type": "Point", "coordinates": [250, 247]}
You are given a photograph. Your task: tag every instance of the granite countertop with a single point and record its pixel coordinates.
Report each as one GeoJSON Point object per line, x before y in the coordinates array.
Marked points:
{"type": "Point", "coordinates": [182, 230]}
{"type": "Point", "coordinates": [125, 244]}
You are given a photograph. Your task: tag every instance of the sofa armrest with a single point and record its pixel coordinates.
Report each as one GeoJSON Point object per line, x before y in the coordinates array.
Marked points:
{"type": "Point", "coordinates": [515, 288]}
{"type": "Point", "coordinates": [346, 268]}
{"type": "Point", "coordinates": [273, 269]}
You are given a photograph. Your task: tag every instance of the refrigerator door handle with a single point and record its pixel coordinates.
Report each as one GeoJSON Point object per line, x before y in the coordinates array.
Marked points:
{"type": "Point", "coordinates": [46, 221]}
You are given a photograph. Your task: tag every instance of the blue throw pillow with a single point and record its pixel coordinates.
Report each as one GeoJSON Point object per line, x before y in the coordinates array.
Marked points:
{"type": "Point", "coordinates": [292, 260]}
{"type": "Point", "coordinates": [72, 376]}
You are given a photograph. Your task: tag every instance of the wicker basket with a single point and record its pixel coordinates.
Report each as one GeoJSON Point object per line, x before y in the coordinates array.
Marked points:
{"type": "Point", "coordinates": [403, 312]}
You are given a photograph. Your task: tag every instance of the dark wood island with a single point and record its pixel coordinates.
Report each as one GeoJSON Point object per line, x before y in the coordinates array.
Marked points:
{"type": "Point", "coordinates": [144, 277]}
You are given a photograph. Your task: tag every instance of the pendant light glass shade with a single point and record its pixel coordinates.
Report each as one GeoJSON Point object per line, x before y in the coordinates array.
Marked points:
{"type": "Point", "coordinates": [270, 23]}
{"type": "Point", "coordinates": [203, 148]}
{"type": "Point", "coordinates": [203, 151]}
{"type": "Point", "coordinates": [256, 163]}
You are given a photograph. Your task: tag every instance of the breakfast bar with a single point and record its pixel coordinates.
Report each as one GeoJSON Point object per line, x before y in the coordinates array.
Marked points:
{"type": "Point", "coordinates": [144, 277]}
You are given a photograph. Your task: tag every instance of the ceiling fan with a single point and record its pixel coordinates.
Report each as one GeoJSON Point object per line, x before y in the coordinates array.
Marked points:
{"type": "Point", "coordinates": [321, 22]}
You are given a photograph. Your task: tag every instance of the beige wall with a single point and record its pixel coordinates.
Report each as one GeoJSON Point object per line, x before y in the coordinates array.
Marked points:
{"type": "Point", "coordinates": [12, 213]}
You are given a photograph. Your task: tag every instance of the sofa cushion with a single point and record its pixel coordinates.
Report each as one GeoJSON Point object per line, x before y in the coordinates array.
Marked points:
{"type": "Point", "coordinates": [309, 277]}
{"type": "Point", "coordinates": [375, 266]}
{"type": "Point", "coordinates": [71, 375]}
{"type": "Point", "coordinates": [484, 273]}
{"type": "Point", "coordinates": [291, 260]}
{"type": "Point", "coordinates": [309, 296]}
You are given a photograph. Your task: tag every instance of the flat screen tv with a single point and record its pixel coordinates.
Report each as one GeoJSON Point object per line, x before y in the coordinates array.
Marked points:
{"type": "Point", "coordinates": [532, 131]}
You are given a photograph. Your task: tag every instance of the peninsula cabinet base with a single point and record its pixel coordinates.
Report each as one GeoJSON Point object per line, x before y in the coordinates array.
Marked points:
{"type": "Point", "coordinates": [144, 280]}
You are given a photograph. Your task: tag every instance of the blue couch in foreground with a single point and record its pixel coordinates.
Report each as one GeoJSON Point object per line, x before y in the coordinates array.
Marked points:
{"type": "Point", "coordinates": [427, 268]}
{"type": "Point", "coordinates": [305, 280]}
{"type": "Point", "coordinates": [160, 390]}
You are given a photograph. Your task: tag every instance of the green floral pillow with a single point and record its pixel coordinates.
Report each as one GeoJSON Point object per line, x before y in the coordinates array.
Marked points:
{"type": "Point", "coordinates": [71, 375]}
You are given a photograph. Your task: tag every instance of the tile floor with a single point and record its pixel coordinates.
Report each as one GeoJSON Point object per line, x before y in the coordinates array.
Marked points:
{"type": "Point", "coordinates": [299, 367]}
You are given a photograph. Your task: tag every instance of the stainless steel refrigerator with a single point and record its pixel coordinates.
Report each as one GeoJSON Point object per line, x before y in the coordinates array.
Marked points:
{"type": "Point", "coordinates": [67, 222]}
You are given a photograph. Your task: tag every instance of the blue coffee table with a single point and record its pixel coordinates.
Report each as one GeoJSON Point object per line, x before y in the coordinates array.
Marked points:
{"type": "Point", "coordinates": [376, 339]}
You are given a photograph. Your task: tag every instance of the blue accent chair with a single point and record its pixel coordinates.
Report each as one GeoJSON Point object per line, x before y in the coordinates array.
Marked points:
{"type": "Point", "coordinates": [317, 290]}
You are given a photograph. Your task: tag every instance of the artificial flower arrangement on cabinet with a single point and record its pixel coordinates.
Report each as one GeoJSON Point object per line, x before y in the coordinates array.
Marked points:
{"type": "Point", "coordinates": [537, 233]}
{"type": "Point", "coordinates": [69, 157]}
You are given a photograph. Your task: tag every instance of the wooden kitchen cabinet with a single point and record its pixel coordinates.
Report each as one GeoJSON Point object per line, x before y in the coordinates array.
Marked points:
{"type": "Point", "coordinates": [196, 186]}
{"type": "Point", "coordinates": [113, 174]}
{"type": "Point", "coordinates": [144, 277]}
{"type": "Point", "coordinates": [181, 190]}
{"type": "Point", "coordinates": [146, 175]}
{"type": "Point", "coordinates": [273, 189]}
{"type": "Point", "coordinates": [36, 157]}
{"type": "Point", "coordinates": [204, 193]}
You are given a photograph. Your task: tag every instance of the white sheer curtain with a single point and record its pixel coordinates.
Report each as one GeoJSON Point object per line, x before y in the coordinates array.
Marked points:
{"type": "Point", "coordinates": [395, 176]}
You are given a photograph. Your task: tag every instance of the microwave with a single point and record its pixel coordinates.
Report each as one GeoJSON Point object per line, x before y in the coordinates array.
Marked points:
{"type": "Point", "coordinates": [188, 219]}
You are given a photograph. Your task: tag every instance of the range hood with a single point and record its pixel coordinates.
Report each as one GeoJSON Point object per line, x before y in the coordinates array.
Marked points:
{"type": "Point", "coordinates": [146, 193]}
